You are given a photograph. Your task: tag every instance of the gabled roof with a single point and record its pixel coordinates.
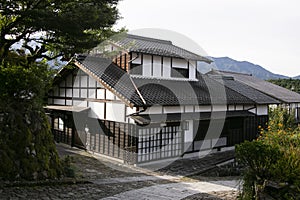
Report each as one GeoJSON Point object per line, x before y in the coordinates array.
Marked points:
{"type": "Point", "coordinates": [134, 43]}
{"type": "Point", "coordinates": [142, 91]}
{"type": "Point", "coordinates": [111, 77]}
{"type": "Point", "coordinates": [205, 91]}
{"type": "Point", "coordinates": [282, 94]}
{"type": "Point", "coordinates": [257, 96]}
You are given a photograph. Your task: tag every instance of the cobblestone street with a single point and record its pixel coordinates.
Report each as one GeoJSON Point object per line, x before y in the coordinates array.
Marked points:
{"type": "Point", "coordinates": [99, 178]}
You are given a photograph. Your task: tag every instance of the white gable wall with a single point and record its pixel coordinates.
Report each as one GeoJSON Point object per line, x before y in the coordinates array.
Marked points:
{"type": "Point", "coordinates": [160, 67]}
{"type": "Point", "coordinates": [115, 112]}
{"type": "Point", "coordinates": [157, 66]}
{"type": "Point", "coordinates": [260, 110]}
{"type": "Point", "coordinates": [147, 65]}
{"type": "Point", "coordinates": [166, 67]}
{"type": "Point", "coordinates": [192, 69]}
{"type": "Point", "coordinates": [87, 92]}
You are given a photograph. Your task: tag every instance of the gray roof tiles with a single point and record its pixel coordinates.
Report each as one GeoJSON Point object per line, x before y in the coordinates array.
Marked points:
{"type": "Point", "coordinates": [282, 94]}
{"type": "Point", "coordinates": [205, 91]}
{"type": "Point", "coordinates": [134, 43]}
{"type": "Point", "coordinates": [257, 96]}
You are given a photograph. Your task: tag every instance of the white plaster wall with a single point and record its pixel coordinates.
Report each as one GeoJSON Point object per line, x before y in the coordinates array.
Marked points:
{"type": "Point", "coordinates": [92, 82]}
{"type": "Point", "coordinates": [192, 69]}
{"type": "Point", "coordinates": [262, 110]}
{"type": "Point", "coordinates": [157, 66]}
{"type": "Point", "coordinates": [167, 67]}
{"type": "Point", "coordinates": [91, 94]}
{"type": "Point", "coordinates": [83, 93]}
{"type": "Point", "coordinates": [189, 134]}
{"type": "Point", "coordinates": [239, 107]}
{"type": "Point", "coordinates": [115, 112]}
{"type": "Point", "coordinates": [83, 81]}
{"type": "Point", "coordinates": [97, 110]}
{"type": "Point", "coordinates": [80, 103]}
{"type": "Point", "coordinates": [110, 95]}
{"type": "Point", "coordinates": [179, 63]}
{"type": "Point", "coordinates": [99, 85]}
{"type": "Point", "coordinates": [128, 112]}
{"type": "Point", "coordinates": [173, 109]}
{"type": "Point", "coordinates": [189, 109]}
{"type": "Point", "coordinates": [76, 93]}
{"type": "Point", "coordinates": [62, 92]}
{"type": "Point", "coordinates": [59, 101]}
{"type": "Point", "coordinates": [219, 108]}
{"type": "Point", "coordinates": [231, 107]}
{"type": "Point", "coordinates": [69, 81]}
{"type": "Point", "coordinates": [147, 65]}
{"type": "Point", "coordinates": [202, 108]}
{"type": "Point", "coordinates": [69, 103]}
{"type": "Point", "coordinates": [76, 81]}
{"type": "Point", "coordinates": [69, 92]}
{"type": "Point", "coordinates": [100, 93]}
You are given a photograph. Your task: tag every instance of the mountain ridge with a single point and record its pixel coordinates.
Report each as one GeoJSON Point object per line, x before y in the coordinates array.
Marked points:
{"type": "Point", "coordinates": [246, 67]}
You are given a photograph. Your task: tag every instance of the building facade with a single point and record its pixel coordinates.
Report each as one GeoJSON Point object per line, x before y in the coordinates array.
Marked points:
{"type": "Point", "coordinates": [142, 99]}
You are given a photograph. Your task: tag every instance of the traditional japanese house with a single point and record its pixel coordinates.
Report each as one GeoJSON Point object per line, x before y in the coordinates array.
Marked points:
{"type": "Point", "coordinates": [147, 102]}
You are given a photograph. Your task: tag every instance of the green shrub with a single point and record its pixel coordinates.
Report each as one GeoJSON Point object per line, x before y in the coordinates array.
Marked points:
{"type": "Point", "coordinates": [272, 161]}
{"type": "Point", "coordinates": [260, 159]}
{"type": "Point", "coordinates": [27, 149]}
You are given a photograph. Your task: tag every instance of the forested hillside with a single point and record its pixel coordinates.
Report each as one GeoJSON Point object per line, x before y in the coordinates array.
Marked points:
{"type": "Point", "coordinates": [291, 84]}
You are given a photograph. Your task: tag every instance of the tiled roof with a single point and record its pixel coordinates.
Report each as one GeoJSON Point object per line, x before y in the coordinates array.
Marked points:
{"type": "Point", "coordinates": [134, 43]}
{"type": "Point", "coordinates": [111, 76]}
{"type": "Point", "coordinates": [257, 96]}
{"type": "Point", "coordinates": [282, 94]}
{"type": "Point", "coordinates": [173, 92]}
{"type": "Point", "coordinates": [136, 90]}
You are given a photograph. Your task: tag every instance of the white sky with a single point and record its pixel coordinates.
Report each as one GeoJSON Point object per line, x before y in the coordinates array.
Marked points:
{"type": "Point", "coordinates": [264, 32]}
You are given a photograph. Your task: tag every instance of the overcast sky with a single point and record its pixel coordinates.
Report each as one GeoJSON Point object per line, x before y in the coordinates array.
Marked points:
{"type": "Point", "coordinates": [264, 32]}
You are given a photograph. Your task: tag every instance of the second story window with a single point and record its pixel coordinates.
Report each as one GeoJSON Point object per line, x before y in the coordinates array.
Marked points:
{"type": "Point", "coordinates": [179, 73]}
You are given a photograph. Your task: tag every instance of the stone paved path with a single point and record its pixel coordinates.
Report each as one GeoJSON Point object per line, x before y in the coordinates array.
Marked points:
{"type": "Point", "coordinates": [173, 191]}
{"type": "Point", "coordinates": [134, 179]}
{"type": "Point", "coordinates": [196, 165]}
{"type": "Point", "coordinates": [108, 179]}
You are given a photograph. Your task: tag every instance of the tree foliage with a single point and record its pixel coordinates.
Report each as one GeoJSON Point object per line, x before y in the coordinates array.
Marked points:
{"type": "Point", "coordinates": [273, 160]}
{"type": "Point", "coordinates": [32, 32]}
{"type": "Point", "coordinates": [53, 28]}
{"type": "Point", "coordinates": [27, 150]}
{"type": "Point", "coordinates": [291, 84]}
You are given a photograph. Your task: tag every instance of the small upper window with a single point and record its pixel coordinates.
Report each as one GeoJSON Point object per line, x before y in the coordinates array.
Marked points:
{"type": "Point", "coordinates": [179, 73]}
